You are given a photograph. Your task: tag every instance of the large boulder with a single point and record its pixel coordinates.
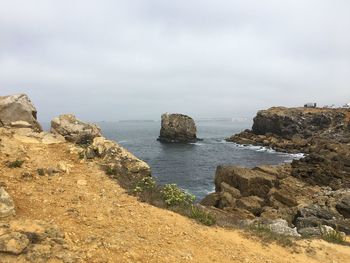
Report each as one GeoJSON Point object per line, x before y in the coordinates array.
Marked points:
{"type": "Point", "coordinates": [343, 206]}
{"type": "Point", "coordinates": [247, 181]}
{"type": "Point", "coordinates": [74, 130]}
{"type": "Point", "coordinates": [177, 128]}
{"type": "Point", "coordinates": [14, 243]}
{"type": "Point", "coordinates": [18, 110]}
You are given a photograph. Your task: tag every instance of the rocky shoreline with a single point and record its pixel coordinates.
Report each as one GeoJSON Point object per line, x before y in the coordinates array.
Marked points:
{"type": "Point", "coordinates": [76, 157]}
{"type": "Point", "coordinates": [308, 193]}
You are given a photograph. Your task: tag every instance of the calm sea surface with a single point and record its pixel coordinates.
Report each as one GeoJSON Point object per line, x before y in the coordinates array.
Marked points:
{"type": "Point", "coordinates": [191, 166]}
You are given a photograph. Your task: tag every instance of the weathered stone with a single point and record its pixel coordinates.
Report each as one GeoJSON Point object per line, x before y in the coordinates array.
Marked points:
{"type": "Point", "coordinates": [20, 124]}
{"type": "Point", "coordinates": [210, 200]}
{"type": "Point", "coordinates": [285, 197]}
{"type": "Point", "coordinates": [280, 226]}
{"type": "Point", "coordinates": [39, 253]}
{"type": "Point", "coordinates": [36, 230]}
{"type": "Point", "coordinates": [343, 206]}
{"type": "Point", "coordinates": [74, 130]}
{"type": "Point", "coordinates": [316, 211]}
{"type": "Point", "coordinates": [119, 162]}
{"type": "Point", "coordinates": [177, 128]}
{"type": "Point", "coordinates": [13, 243]}
{"type": "Point", "coordinates": [251, 203]}
{"type": "Point", "coordinates": [247, 181]}
{"type": "Point", "coordinates": [309, 231]}
{"type": "Point", "coordinates": [226, 199]}
{"type": "Point", "coordinates": [15, 108]}
{"type": "Point", "coordinates": [7, 206]}
{"type": "Point", "coordinates": [234, 192]}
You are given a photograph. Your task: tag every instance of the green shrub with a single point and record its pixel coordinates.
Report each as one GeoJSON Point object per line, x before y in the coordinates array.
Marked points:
{"type": "Point", "coordinates": [332, 236]}
{"type": "Point", "coordinates": [145, 184]}
{"type": "Point", "coordinates": [15, 164]}
{"type": "Point", "coordinates": [174, 196]}
{"type": "Point", "coordinates": [202, 216]}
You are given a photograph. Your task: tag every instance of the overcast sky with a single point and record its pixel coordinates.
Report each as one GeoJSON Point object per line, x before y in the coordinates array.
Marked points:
{"type": "Point", "coordinates": [135, 59]}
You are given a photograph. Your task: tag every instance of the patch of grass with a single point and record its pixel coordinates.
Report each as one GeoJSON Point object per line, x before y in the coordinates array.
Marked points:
{"type": "Point", "coordinates": [202, 216]}
{"type": "Point", "coordinates": [333, 236]}
{"type": "Point", "coordinates": [145, 184]}
{"type": "Point", "coordinates": [174, 196]}
{"type": "Point", "coordinates": [15, 164]}
{"type": "Point", "coordinates": [264, 233]}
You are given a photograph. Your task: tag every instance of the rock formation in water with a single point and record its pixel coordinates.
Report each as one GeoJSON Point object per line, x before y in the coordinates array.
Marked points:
{"type": "Point", "coordinates": [309, 192]}
{"type": "Point", "coordinates": [322, 134]}
{"type": "Point", "coordinates": [18, 111]}
{"type": "Point", "coordinates": [74, 130]}
{"type": "Point", "coordinates": [177, 128]}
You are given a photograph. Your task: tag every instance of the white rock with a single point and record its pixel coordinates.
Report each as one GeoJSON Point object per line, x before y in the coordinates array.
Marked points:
{"type": "Point", "coordinates": [7, 206]}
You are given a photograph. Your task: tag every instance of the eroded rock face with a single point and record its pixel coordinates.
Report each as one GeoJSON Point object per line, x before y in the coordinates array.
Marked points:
{"type": "Point", "coordinates": [287, 122]}
{"type": "Point", "coordinates": [177, 128]}
{"type": "Point", "coordinates": [248, 182]}
{"type": "Point", "coordinates": [7, 206]}
{"type": "Point", "coordinates": [34, 240]}
{"type": "Point", "coordinates": [18, 110]}
{"type": "Point", "coordinates": [74, 130]}
{"type": "Point", "coordinates": [271, 193]}
{"type": "Point", "coordinates": [118, 161]}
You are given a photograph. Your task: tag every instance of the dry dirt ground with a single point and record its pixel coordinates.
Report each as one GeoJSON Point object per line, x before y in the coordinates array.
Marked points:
{"type": "Point", "coordinates": [102, 223]}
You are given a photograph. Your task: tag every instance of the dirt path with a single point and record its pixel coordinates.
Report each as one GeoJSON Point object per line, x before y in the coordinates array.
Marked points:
{"type": "Point", "coordinates": [104, 224]}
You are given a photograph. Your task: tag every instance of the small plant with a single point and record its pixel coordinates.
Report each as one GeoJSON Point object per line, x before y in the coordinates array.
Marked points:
{"type": "Point", "coordinates": [145, 184]}
{"type": "Point", "coordinates": [110, 170]}
{"type": "Point", "coordinates": [332, 236]}
{"type": "Point", "coordinates": [41, 171]}
{"type": "Point", "coordinates": [81, 155]}
{"type": "Point", "coordinates": [174, 196]}
{"type": "Point", "coordinates": [202, 216]}
{"type": "Point", "coordinates": [15, 164]}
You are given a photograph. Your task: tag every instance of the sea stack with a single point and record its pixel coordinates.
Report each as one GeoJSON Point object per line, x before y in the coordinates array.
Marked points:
{"type": "Point", "coordinates": [177, 128]}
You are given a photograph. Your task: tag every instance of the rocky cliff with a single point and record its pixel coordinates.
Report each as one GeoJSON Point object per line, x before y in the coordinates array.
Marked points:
{"type": "Point", "coordinates": [177, 128]}
{"type": "Point", "coordinates": [307, 193]}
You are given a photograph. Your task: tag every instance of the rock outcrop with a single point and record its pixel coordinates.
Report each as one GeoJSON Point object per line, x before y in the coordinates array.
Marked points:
{"type": "Point", "coordinates": [308, 193]}
{"type": "Point", "coordinates": [269, 193]}
{"type": "Point", "coordinates": [7, 206]}
{"type": "Point", "coordinates": [35, 240]}
{"type": "Point", "coordinates": [18, 110]}
{"type": "Point", "coordinates": [74, 130]}
{"type": "Point", "coordinates": [177, 128]}
{"type": "Point", "coordinates": [322, 134]}
{"type": "Point", "coordinates": [296, 129]}
{"type": "Point", "coordinates": [117, 161]}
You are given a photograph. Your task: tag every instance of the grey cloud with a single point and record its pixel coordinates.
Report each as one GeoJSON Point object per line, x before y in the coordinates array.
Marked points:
{"type": "Point", "coordinates": [108, 60]}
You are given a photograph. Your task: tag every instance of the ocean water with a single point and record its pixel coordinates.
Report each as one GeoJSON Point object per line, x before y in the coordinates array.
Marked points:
{"type": "Point", "coordinates": [190, 166]}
